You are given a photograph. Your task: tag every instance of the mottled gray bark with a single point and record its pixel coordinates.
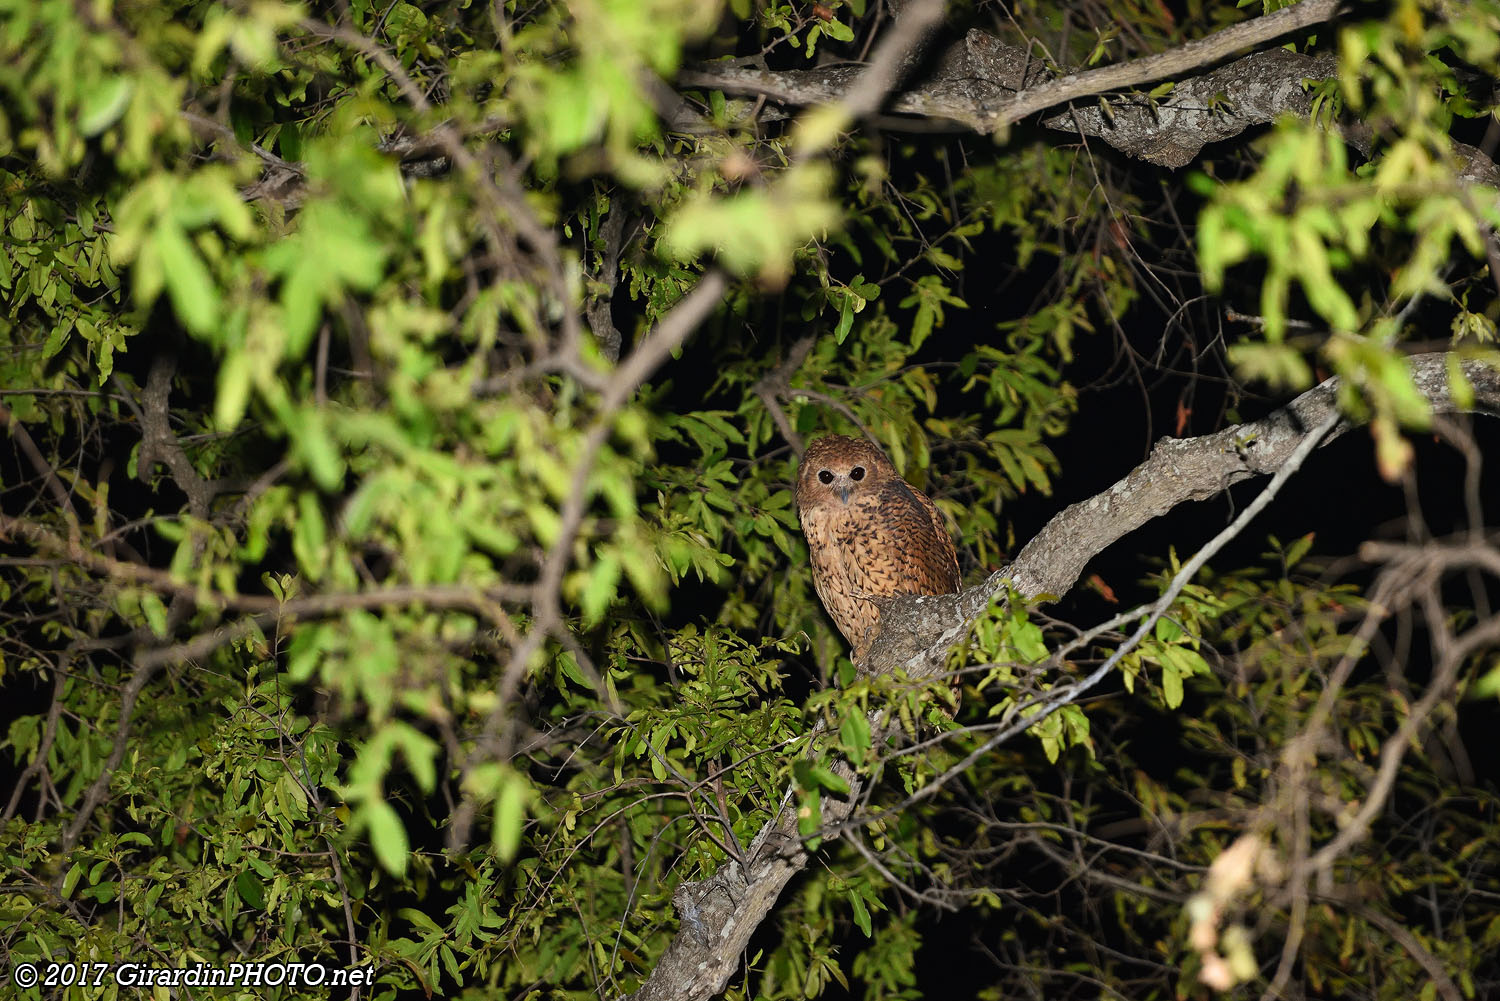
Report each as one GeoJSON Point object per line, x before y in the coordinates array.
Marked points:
{"type": "Point", "coordinates": [1171, 131]}
{"type": "Point", "coordinates": [979, 81]}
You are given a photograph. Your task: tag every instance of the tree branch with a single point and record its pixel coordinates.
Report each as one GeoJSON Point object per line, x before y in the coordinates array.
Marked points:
{"type": "Point", "coordinates": [1203, 109]}
{"type": "Point", "coordinates": [1182, 469]}
{"type": "Point", "coordinates": [984, 84]}
{"type": "Point", "coordinates": [159, 444]}
{"type": "Point", "coordinates": [917, 632]}
{"type": "Point", "coordinates": [39, 462]}
{"type": "Point", "coordinates": [1148, 69]}
{"type": "Point", "coordinates": [96, 790]}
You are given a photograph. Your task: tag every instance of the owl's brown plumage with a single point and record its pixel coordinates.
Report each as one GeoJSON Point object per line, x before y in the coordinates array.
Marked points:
{"type": "Point", "coordinates": [870, 533]}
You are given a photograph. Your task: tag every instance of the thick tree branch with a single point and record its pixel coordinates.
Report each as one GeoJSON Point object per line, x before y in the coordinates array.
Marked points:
{"type": "Point", "coordinates": [1202, 109]}
{"type": "Point", "coordinates": [1182, 469]}
{"type": "Point", "coordinates": [720, 914]}
{"type": "Point", "coordinates": [1069, 693]}
{"type": "Point", "coordinates": [159, 444]}
{"type": "Point", "coordinates": [984, 84]}
{"type": "Point", "coordinates": [1149, 69]}
{"type": "Point", "coordinates": [980, 74]}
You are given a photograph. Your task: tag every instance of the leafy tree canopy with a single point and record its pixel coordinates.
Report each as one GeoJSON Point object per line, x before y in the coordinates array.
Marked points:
{"type": "Point", "coordinates": [400, 566]}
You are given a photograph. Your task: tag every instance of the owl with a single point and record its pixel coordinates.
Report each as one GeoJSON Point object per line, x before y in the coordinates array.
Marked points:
{"type": "Point", "coordinates": [870, 533]}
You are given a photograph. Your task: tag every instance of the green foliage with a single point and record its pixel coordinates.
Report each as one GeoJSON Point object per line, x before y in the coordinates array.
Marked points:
{"type": "Point", "coordinates": [363, 607]}
{"type": "Point", "coordinates": [1319, 222]}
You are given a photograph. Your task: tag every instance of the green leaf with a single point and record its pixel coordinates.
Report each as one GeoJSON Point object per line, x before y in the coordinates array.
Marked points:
{"type": "Point", "coordinates": [861, 913]}
{"type": "Point", "coordinates": [71, 879]}
{"type": "Point", "coordinates": [234, 390]}
{"type": "Point", "coordinates": [250, 889]}
{"type": "Point", "coordinates": [104, 104]}
{"type": "Point", "coordinates": [1299, 549]}
{"type": "Point", "coordinates": [510, 816]}
{"type": "Point", "coordinates": [839, 30]}
{"type": "Point", "coordinates": [809, 815]}
{"type": "Point", "coordinates": [1171, 684]}
{"type": "Point", "coordinates": [58, 336]}
{"type": "Point", "coordinates": [194, 296]}
{"type": "Point", "coordinates": [155, 612]}
{"type": "Point", "coordinates": [387, 836]}
{"type": "Point", "coordinates": [846, 322]}
{"type": "Point", "coordinates": [756, 229]}
{"type": "Point", "coordinates": [1486, 686]}
{"type": "Point", "coordinates": [318, 449]}
{"type": "Point", "coordinates": [421, 919]}
{"type": "Point", "coordinates": [854, 731]}
{"type": "Point", "coordinates": [603, 578]}
{"type": "Point", "coordinates": [1278, 365]}
{"type": "Point", "coordinates": [826, 779]}
{"type": "Point", "coordinates": [1029, 641]}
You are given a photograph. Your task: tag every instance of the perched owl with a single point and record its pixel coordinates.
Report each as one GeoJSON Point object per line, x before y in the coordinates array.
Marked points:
{"type": "Point", "coordinates": [870, 533]}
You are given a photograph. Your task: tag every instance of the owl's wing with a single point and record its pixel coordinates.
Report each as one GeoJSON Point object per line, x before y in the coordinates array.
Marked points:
{"type": "Point", "coordinates": [902, 546]}
{"type": "Point", "coordinates": [945, 549]}
{"type": "Point", "coordinates": [830, 546]}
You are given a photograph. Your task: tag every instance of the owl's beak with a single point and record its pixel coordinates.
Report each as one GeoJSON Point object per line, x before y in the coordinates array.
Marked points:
{"type": "Point", "coordinates": [843, 491]}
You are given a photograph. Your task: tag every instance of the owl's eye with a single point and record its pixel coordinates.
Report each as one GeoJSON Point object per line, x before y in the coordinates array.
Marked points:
{"type": "Point", "coordinates": [824, 476]}
{"type": "Point", "coordinates": [857, 473]}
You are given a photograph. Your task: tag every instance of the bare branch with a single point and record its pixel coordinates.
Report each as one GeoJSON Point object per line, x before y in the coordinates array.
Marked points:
{"type": "Point", "coordinates": [1445, 677]}
{"type": "Point", "coordinates": [890, 59]}
{"type": "Point", "coordinates": [39, 462]}
{"type": "Point", "coordinates": [597, 309]}
{"type": "Point", "coordinates": [1446, 988]}
{"type": "Point", "coordinates": [96, 790]}
{"type": "Point", "coordinates": [38, 763]}
{"type": "Point", "coordinates": [776, 385]}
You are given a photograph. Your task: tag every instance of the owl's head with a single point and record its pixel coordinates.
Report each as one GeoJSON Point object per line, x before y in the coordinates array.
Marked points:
{"type": "Point", "coordinates": [837, 468]}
